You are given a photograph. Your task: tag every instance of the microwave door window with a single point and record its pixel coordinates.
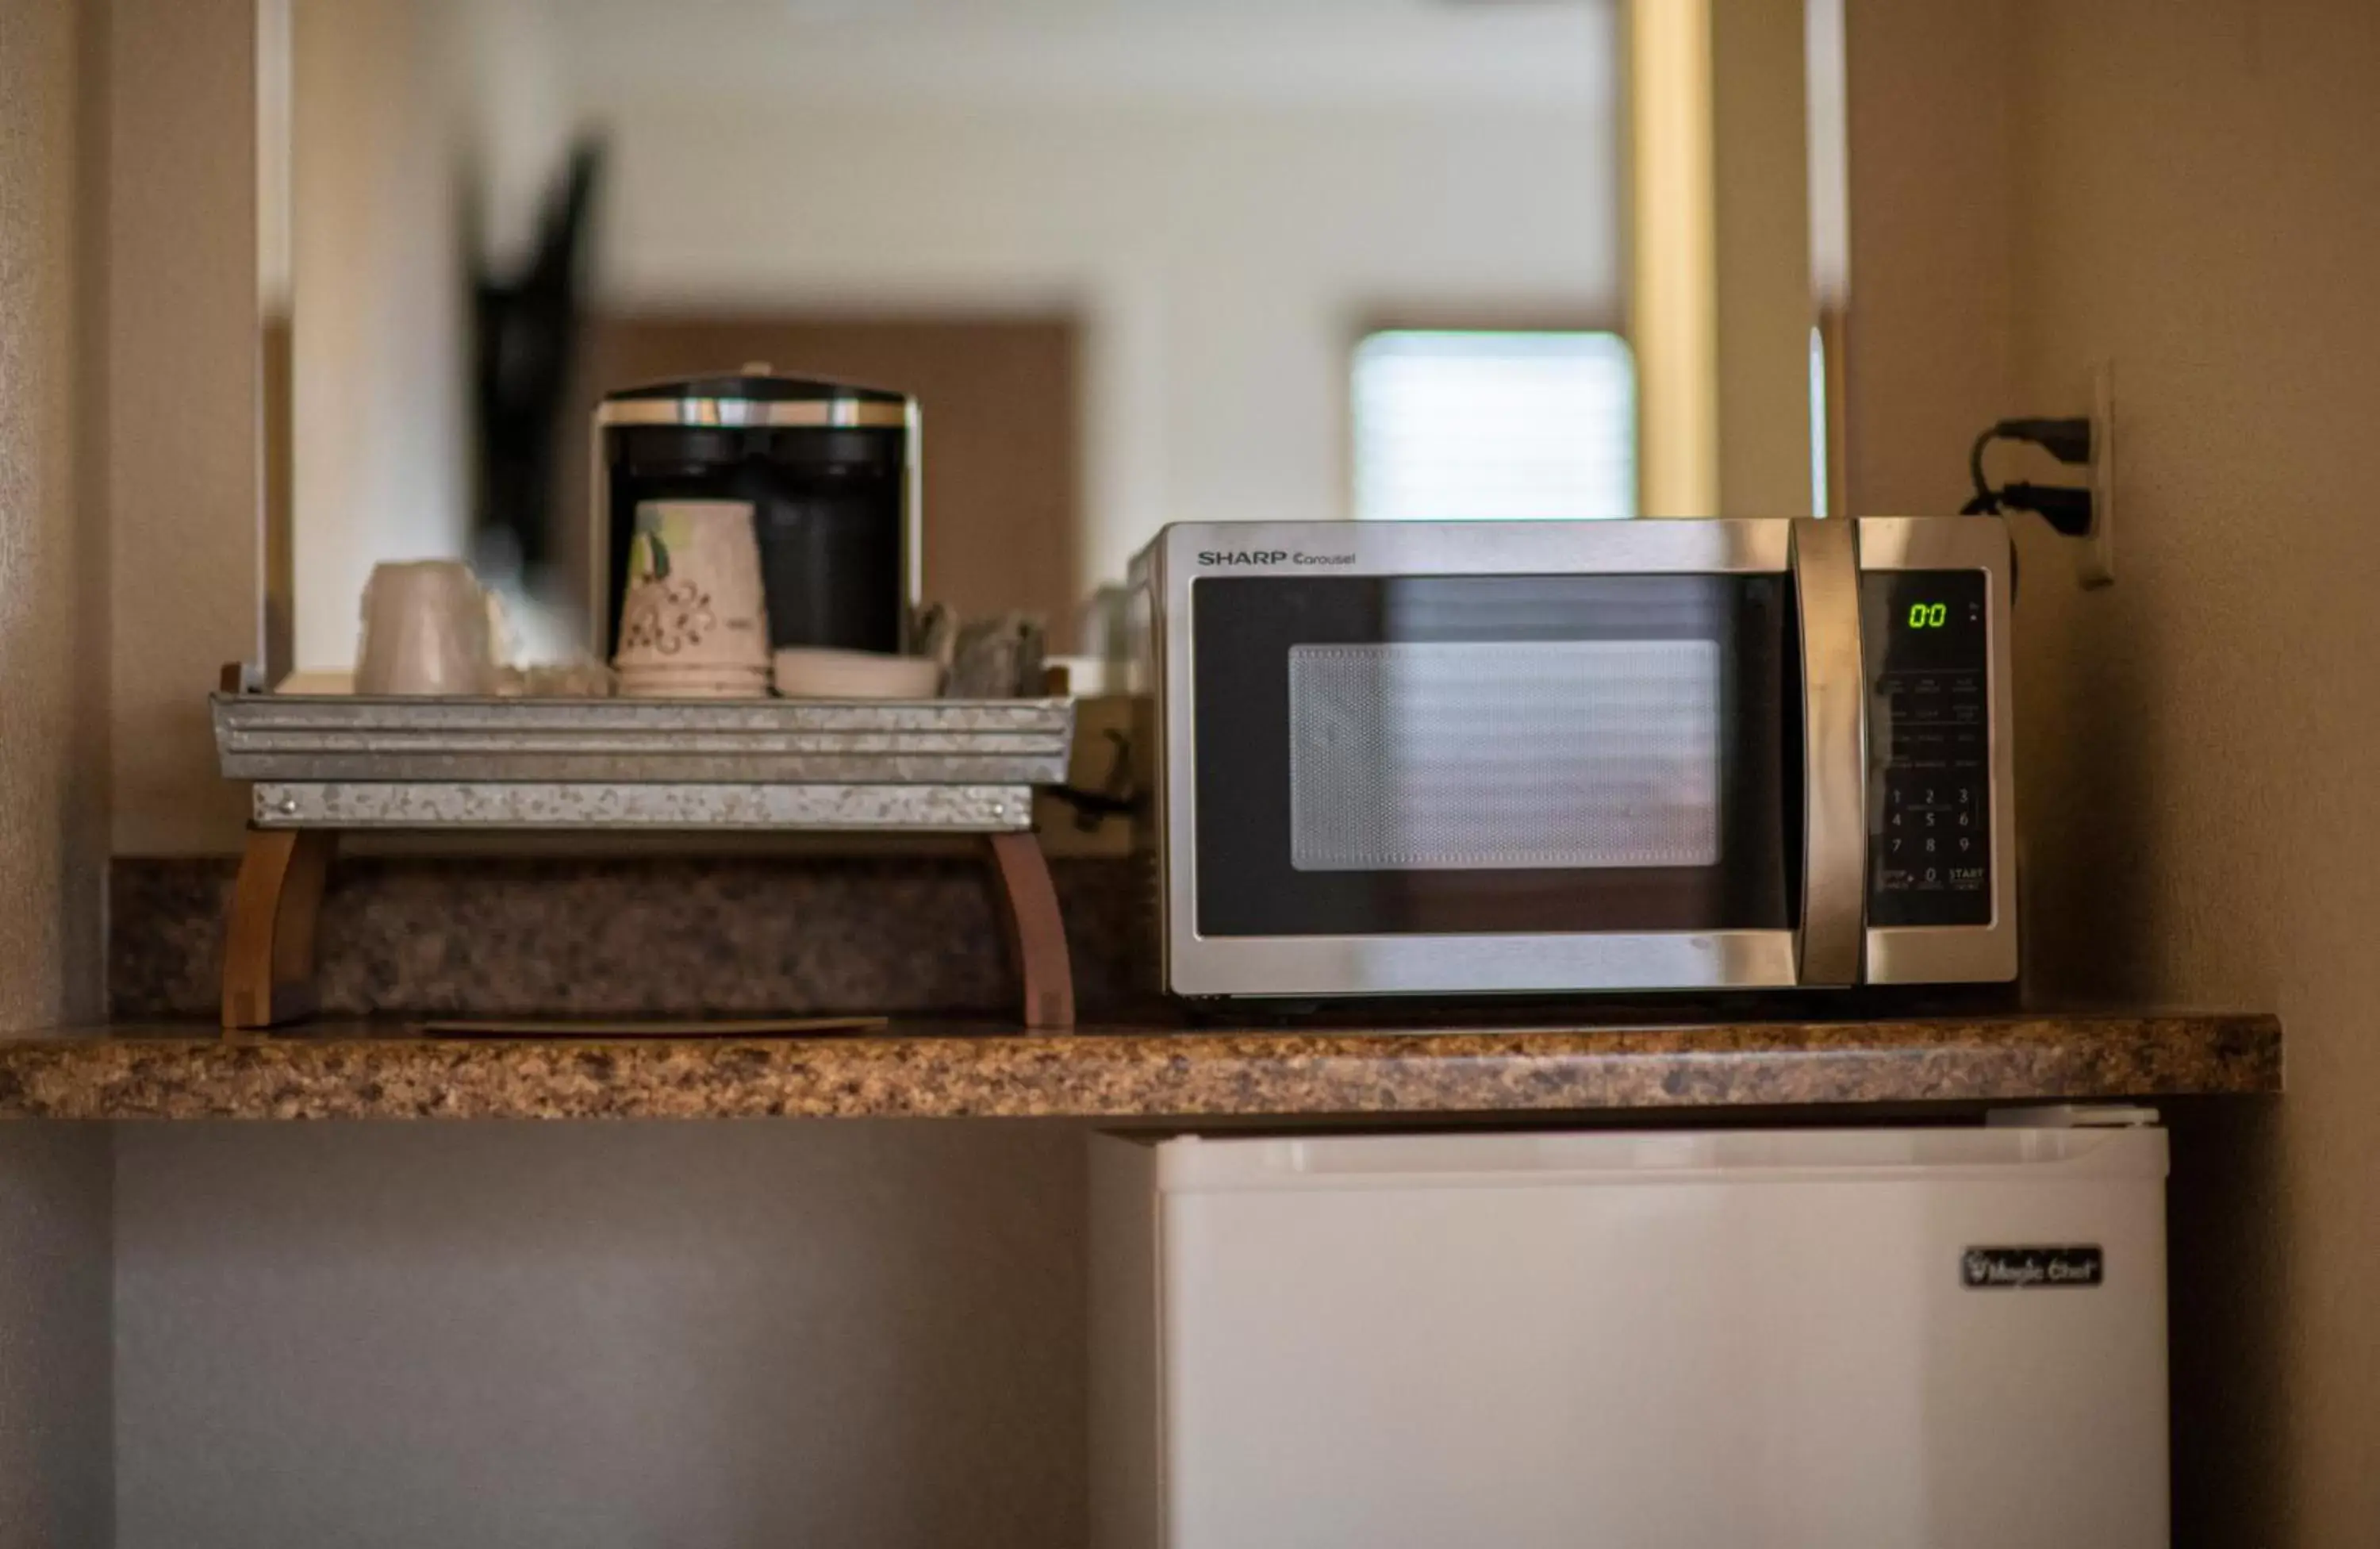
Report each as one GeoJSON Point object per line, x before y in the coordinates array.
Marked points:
{"type": "Point", "coordinates": [1492, 754]}
{"type": "Point", "coordinates": [1504, 755]}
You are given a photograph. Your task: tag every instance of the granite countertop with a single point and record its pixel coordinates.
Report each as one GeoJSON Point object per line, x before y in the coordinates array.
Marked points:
{"type": "Point", "coordinates": [181, 1071]}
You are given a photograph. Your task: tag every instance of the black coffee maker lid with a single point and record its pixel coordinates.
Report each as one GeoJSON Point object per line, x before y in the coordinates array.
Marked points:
{"type": "Point", "coordinates": [754, 395]}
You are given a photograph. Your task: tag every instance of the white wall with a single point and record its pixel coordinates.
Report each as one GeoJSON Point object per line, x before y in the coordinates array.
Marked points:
{"type": "Point", "coordinates": [1227, 260]}
{"type": "Point", "coordinates": [381, 363]}
{"type": "Point", "coordinates": [516, 121]}
{"type": "Point", "coordinates": [1229, 197]}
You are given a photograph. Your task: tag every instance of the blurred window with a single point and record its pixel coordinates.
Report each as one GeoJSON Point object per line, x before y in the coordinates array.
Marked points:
{"type": "Point", "coordinates": [1488, 425]}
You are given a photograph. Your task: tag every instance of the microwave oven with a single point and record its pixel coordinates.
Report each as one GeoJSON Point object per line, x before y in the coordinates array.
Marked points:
{"type": "Point", "coordinates": [1471, 757]}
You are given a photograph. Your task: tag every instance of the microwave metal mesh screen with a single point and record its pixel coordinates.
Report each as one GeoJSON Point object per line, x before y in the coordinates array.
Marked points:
{"type": "Point", "coordinates": [1502, 755]}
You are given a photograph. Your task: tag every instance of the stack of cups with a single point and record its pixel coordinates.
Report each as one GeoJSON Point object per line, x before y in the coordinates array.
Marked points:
{"type": "Point", "coordinates": [693, 624]}
{"type": "Point", "coordinates": [429, 627]}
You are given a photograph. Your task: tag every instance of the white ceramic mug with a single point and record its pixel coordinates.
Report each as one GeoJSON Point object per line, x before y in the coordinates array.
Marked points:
{"type": "Point", "coordinates": [429, 627]}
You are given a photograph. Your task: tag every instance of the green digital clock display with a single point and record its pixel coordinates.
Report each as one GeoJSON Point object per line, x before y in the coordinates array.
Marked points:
{"type": "Point", "coordinates": [1928, 615]}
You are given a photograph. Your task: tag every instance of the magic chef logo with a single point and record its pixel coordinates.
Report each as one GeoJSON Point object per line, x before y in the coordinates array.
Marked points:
{"type": "Point", "coordinates": [2020, 1269]}
{"type": "Point", "coordinates": [1241, 559]}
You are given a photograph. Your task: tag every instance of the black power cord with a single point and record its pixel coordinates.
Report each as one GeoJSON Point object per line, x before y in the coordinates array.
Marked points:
{"type": "Point", "coordinates": [1122, 796]}
{"type": "Point", "coordinates": [2065, 508]}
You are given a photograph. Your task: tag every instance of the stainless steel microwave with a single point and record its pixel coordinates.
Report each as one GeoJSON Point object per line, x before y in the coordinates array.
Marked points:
{"type": "Point", "coordinates": [1457, 758]}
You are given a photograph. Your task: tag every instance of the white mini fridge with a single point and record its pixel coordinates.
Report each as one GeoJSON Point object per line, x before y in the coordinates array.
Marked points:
{"type": "Point", "coordinates": [1926, 1339]}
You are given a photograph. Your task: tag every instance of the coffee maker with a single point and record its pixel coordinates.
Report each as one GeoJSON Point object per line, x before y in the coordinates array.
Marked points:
{"type": "Point", "coordinates": [832, 472]}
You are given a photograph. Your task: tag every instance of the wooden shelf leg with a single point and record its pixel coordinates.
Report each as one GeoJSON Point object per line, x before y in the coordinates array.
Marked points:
{"type": "Point", "coordinates": [1037, 935]}
{"type": "Point", "coordinates": [268, 968]}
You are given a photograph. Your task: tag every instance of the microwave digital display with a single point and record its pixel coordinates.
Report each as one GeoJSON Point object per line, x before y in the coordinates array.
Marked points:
{"type": "Point", "coordinates": [1928, 650]}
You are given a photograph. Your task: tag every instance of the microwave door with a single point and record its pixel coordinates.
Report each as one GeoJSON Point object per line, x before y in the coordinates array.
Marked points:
{"type": "Point", "coordinates": [1833, 752]}
{"type": "Point", "coordinates": [1456, 757]}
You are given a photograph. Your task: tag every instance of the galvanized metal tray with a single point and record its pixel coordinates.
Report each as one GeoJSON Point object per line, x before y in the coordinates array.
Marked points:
{"type": "Point", "coordinates": [268, 736]}
{"type": "Point", "coordinates": [339, 760]}
{"type": "Point", "coordinates": [532, 804]}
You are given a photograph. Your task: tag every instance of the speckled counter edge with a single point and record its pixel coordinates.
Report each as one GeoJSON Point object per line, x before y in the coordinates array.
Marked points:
{"type": "Point", "coordinates": [1139, 1073]}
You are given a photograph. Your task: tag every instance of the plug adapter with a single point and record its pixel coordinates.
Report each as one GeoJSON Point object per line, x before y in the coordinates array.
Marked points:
{"type": "Point", "coordinates": [2066, 439]}
{"type": "Point", "coordinates": [2068, 510]}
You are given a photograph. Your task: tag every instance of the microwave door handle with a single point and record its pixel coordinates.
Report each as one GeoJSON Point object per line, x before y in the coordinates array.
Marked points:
{"type": "Point", "coordinates": [1833, 752]}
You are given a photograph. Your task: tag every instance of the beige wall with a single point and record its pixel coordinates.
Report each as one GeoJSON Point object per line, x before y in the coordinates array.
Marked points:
{"type": "Point", "coordinates": [2193, 193]}
{"type": "Point", "coordinates": [57, 1446]}
{"type": "Point", "coordinates": [1719, 297]}
{"type": "Point", "coordinates": [54, 1263]}
{"type": "Point", "coordinates": [2189, 190]}
{"type": "Point", "coordinates": [1760, 176]}
{"type": "Point", "coordinates": [1928, 355]}
{"type": "Point", "coordinates": [183, 366]}
{"type": "Point", "coordinates": [53, 552]}
{"type": "Point", "coordinates": [2197, 189]}
{"type": "Point", "coordinates": [600, 1336]}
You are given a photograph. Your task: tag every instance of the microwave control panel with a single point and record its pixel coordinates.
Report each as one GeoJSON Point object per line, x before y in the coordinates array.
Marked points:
{"type": "Point", "coordinates": [1926, 639]}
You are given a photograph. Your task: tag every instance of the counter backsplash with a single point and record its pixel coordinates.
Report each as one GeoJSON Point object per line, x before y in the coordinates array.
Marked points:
{"type": "Point", "coordinates": [408, 936]}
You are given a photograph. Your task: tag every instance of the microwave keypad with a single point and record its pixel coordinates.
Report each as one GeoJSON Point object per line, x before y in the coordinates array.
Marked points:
{"type": "Point", "coordinates": [1929, 718]}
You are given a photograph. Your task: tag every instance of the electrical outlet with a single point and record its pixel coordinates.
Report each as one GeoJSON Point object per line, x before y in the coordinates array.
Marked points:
{"type": "Point", "coordinates": [2094, 561]}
